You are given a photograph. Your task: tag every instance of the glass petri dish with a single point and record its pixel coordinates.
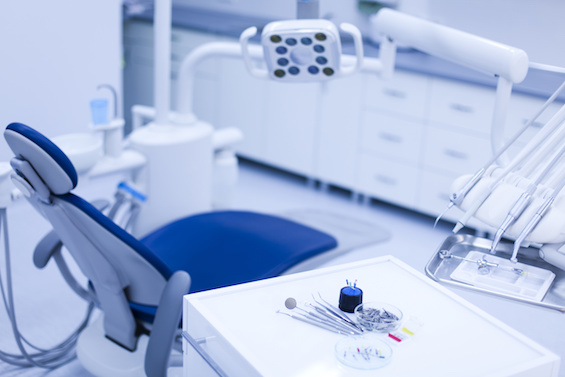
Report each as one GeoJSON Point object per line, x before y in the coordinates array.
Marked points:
{"type": "Point", "coordinates": [363, 352]}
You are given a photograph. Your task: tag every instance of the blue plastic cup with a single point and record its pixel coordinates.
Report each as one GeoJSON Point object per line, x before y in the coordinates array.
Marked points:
{"type": "Point", "coordinates": [99, 111]}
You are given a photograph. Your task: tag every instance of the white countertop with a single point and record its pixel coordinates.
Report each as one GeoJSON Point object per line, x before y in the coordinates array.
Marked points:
{"type": "Point", "coordinates": [245, 334]}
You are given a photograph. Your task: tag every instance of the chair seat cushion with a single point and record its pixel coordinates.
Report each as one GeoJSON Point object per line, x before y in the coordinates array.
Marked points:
{"type": "Point", "coordinates": [224, 248]}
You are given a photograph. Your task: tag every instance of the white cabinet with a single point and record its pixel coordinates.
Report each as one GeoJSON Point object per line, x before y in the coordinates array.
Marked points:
{"type": "Point", "coordinates": [405, 95]}
{"type": "Point", "coordinates": [461, 105]}
{"type": "Point", "coordinates": [388, 180]}
{"type": "Point", "coordinates": [392, 128]}
{"type": "Point", "coordinates": [338, 132]}
{"type": "Point", "coordinates": [391, 137]}
{"type": "Point", "coordinates": [456, 152]}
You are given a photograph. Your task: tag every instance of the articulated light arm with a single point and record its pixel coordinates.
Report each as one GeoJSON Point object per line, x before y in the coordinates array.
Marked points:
{"type": "Point", "coordinates": [454, 45]}
{"type": "Point", "coordinates": [508, 63]}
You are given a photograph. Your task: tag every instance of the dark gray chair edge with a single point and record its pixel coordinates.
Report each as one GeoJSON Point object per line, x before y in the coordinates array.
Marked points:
{"type": "Point", "coordinates": [165, 325]}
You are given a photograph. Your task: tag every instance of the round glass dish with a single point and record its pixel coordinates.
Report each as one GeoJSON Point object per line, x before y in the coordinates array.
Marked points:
{"type": "Point", "coordinates": [363, 352]}
{"type": "Point", "coordinates": [378, 316]}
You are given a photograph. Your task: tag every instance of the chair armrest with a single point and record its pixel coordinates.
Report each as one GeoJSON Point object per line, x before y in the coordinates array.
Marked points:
{"type": "Point", "coordinates": [49, 245]}
{"type": "Point", "coordinates": [165, 325]}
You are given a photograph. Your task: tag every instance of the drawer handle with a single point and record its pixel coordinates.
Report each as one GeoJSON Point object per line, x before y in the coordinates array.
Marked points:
{"type": "Point", "coordinates": [385, 180]}
{"type": "Point", "coordinates": [461, 108]}
{"type": "Point", "coordinates": [455, 154]}
{"type": "Point", "coordinates": [394, 93]}
{"type": "Point", "coordinates": [390, 137]}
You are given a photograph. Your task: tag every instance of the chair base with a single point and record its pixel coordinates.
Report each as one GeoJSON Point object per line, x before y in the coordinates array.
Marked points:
{"type": "Point", "coordinates": [104, 358]}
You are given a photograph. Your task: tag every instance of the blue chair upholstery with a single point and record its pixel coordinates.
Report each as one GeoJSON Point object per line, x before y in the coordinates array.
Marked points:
{"type": "Point", "coordinates": [217, 249]}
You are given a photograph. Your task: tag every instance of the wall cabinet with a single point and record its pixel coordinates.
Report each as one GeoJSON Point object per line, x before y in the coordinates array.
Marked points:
{"type": "Point", "coordinates": [402, 140]}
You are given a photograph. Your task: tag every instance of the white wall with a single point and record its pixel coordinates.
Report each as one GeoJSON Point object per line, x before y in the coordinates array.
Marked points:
{"type": "Point", "coordinates": [536, 26]}
{"type": "Point", "coordinates": [53, 55]}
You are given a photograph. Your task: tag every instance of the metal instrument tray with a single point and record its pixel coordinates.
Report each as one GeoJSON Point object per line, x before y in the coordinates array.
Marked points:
{"type": "Point", "coordinates": [460, 245]}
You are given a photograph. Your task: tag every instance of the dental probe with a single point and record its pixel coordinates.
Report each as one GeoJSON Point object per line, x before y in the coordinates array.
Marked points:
{"type": "Point", "coordinates": [457, 197]}
{"type": "Point", "coordinates": [315, 323]}
{"type": "Point", "coordinates": [538, 139]}
{"type": "Point", "coordinates": [524, 200]}
{"type": "Point", "coordinates": [542, 210]}
{"type": "Point", "coordinates": [291, 304]}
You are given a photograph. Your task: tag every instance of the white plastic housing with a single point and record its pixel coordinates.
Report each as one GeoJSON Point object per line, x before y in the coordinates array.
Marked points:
{"type": "Point", "coordinates": [454, 45]}
{"type": "Point", "coordinates": [306, 50]}
{"type": "Point", "coordinates": [177, 178]}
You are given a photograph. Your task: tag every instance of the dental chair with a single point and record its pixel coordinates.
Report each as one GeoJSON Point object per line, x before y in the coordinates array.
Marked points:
{"type": "Point", "coordinates": [138, 284]}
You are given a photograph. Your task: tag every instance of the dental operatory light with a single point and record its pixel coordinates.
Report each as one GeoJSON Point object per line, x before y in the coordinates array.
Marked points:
{"type": "Point", "coordinates": [302, 50]}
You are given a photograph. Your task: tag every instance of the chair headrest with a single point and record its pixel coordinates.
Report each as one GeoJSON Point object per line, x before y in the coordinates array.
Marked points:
{"type": "Point", "coordinates": [49, 162]}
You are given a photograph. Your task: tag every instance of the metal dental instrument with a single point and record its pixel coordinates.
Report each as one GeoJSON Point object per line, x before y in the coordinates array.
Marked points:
{"type": "Point", "coordinates": [541, 211]}
{"type": "Point", "coordinates": [524, 199]}
{"type": "Point", "coordinates": [334, 311]}
{"type": "Point", "coordinates": [315, 323]}
{"type": "Point", "coordinates": [290, 303]}
{"type": "Point", "coordinates": [457, 197]}
{"type": "Point", "coordinates": [542, 136]}
{"type": "Point", "coordinates": [515, 212]}
{"type": "Point", "coordinates": [483, 264]}
{"type": "Point", "coordinates": [332, 318]}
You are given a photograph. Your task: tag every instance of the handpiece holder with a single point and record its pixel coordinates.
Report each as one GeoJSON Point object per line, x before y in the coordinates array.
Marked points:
{"type": "Point", "coordinates": [302, 50]}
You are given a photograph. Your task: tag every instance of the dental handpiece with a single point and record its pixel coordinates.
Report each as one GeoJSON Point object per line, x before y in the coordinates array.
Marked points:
{"type": "Point", "coordinates": [524, 200]}
{"type": "Point", "coordinates": [515, 212]}
{"type": "Point", "coordinates": [543, 136]}
{"type": "Point", "coordinates": [541, 211]}
{"type": "Point", "coordinates": [530, 226]}
{"type": "Point", "coordinates": [457, 197]}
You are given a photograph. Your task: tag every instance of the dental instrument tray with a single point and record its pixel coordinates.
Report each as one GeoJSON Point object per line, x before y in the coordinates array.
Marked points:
{"type": "Point", "coordinates": [465, 261]}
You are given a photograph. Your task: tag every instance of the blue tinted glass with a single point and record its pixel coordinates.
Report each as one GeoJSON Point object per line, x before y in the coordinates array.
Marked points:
{"type": "Point", "coordinates": [319, 48]}
{"type": "Point", "coordinates": [291, 41]}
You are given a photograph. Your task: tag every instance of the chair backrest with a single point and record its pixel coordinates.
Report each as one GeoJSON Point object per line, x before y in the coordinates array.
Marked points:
{"type": "Point", "coordinates": [120, 268]}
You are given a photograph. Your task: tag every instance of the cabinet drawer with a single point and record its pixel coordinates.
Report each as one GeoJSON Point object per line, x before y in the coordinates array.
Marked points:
{"type": "Point", "coordinates": [338, 131]}
{"type": "Point", "coordinates": [387, 180]}
{"type": "Point", "coordinates": [521, 109]}
{"type": "Point", "coordinates": [391, 137]}
{"type": "Point", "coordinates": [405, 94]}
{"type": "Point", "coordinates": [455, 152]}
{"type": "Point", "coordinates": [462, 105]}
